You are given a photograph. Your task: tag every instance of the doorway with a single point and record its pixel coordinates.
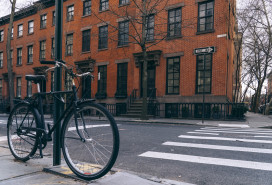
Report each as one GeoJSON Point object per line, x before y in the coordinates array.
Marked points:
{"type": "Point", "coordinates": [151, 78]}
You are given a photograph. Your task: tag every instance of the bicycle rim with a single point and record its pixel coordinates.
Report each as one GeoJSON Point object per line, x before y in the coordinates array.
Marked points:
{"type": "Point", "coordinates": [22, 141]}
{"type": "Point", "coordinates": [94, 157]}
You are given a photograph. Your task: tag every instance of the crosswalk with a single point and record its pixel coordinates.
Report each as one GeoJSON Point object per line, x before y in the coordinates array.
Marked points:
{"type": "Point", "coordinates": [226, 139]}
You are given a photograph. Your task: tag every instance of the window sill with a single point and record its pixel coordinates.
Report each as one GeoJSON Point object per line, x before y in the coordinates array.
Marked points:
{"type": "Point", "coordinates": [70, 20]}
{"type": "Point", "coordinates": [204, 32]}
{"type": "Point", "coordinates": [127, 4]}
{"type": "Point", "coordinates": [85, 52]}
{"type": "Point", "coordinates": [31, 63]}
{"type": "Point", "coordinates": [30, 34]}
{"type": "Point", "coordinates": [19, 65]}
{"type": "Point", "coordinates": [103, 49]}
{"type": "Point", "coordinates": [174, 37]}
{"type": "Point", "coordinates": [1, 67]}
{"type": "Point", "coordinates": [69, 55]}
{"type": "Point", "coordinates": [122, 46]}
{"type": "Point", "coordinates": [42, 28]}
{"type": "Point", "coordinates": [1, 41]}
{"type": "Point", "coordinates": [83, 16]}
{"type": "Point", "coordinates": [101, 11]}
{"type": "Point", "coordinates": [19, 36]}
{"type": "Point", "coordinates": [120, 95]}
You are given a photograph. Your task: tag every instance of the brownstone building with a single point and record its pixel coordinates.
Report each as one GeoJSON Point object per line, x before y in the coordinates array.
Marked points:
{"type": "Point", "coordinates": [97, 37]}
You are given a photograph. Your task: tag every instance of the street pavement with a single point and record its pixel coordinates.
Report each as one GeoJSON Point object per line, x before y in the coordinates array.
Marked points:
{"type": "Point", "coordinates": [230, 133]}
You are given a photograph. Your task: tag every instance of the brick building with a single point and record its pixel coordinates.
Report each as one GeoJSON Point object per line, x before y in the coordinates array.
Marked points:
{"type": "Point", "coordinates": [98, 37]}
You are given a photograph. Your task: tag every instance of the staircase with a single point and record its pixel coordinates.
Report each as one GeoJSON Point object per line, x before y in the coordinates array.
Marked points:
{"type": "Point", "coordinates": [135, 109]}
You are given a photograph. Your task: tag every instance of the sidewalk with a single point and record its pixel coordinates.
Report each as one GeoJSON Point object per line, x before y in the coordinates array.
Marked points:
{"type": "Point", "coordinates": [40, 171]}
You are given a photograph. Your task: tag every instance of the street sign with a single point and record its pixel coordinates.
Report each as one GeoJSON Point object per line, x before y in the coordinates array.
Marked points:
{"type": "Point", "coordinates": [207, 50]}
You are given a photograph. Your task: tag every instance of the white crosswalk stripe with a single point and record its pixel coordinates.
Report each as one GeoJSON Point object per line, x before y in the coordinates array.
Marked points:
{"type": "Point", "coordinates": [239, 133]}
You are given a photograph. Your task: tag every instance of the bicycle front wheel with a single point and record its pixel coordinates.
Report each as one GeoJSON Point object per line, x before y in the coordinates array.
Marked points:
{"type": "Point", "coordinates": [22, 139]}
{"type": "Point", "coordinates": [90, 141]}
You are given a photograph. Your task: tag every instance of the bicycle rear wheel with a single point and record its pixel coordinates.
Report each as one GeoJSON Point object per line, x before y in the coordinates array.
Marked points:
{"type": "Point", "coordinates": [22, 140]}
{"type": "Point", "coordinates": [94, 153]}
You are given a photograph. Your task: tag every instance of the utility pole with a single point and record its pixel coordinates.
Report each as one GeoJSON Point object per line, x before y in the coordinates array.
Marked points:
{"type": "Point", "coordinates": [203, 92]}
{"type": "Point", "coordinates": [57, 80]}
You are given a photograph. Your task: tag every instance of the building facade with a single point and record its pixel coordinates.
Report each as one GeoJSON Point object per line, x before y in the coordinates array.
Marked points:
{"type": "Point", "coordinates": [190, 47]}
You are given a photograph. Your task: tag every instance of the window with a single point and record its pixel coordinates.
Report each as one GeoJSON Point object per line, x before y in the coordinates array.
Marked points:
{"type": "Point", "coordinates": [121, 80]}
{"type": "Point", "coordinates": [69, 44]}
{"type": "Point", "coordinates": [87, 4]}
{"type": "Point", "coordinates": [173, 75]}
{"type": "Point", "coordinates": [12, 32]}
{"type": "Point", "coordinates": [149, 28]}
{"type": "Point", "coordinates": [68, 82]}
{"type": "Point", "coordinates": [205, 16]}
{"type": "Point", "coordinates": [19, 87]}
{"type": "Point", "coordinates": [30, 27]}
{"type": "Point", "coordinates": [53, 48]}
{"type": "Point", "coordinates": [70, 13]}
{"type": "Point", "coordinates": [174, 22]}
{"type": "Point", "coordinates": [53, 18]}
{"type": "Point", "coordinates": [42, 49]}
{"type": "Point", "coordinates": [52, 81]}
{"type": "Point", "coordinates": [1, 89]}
{"type": "Point", "coordinates": [11, 56]}
{"type": "Point", "coordinates": [30, 54]}
{"type": "Point", "coordinates": [123, 2]}
{"type": "Point", "coordinates": [103, 37]}
{"type": "Point", "coordinates": [123, 33]}
{"type": "Point", "coordinates": [20, 30]}
{"type": "Point", "coordinates": [29, 89]}
{"type": "Point", "coordinates": [1, 35]}
{"type": "Point", "coordinates": [1, 59]}
{"type": "Point", "coordinates": [104, 5]}
{"type": "Point", "coordinates": [102, 79]}
{"type": "Point", "coordinates": [43, 21]}
{"type": "Point", "coordinates": [86, 40]}
{"type": "Point", "coordinates": [19, 56]}
{"type": "Point", "coordinates": [204, 73]}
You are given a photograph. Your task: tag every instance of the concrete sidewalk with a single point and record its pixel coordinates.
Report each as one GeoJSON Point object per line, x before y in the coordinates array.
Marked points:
{"type": "Point", "coordinates": [40, 171]}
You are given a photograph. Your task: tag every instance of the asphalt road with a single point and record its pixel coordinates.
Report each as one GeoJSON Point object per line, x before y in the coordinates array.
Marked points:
{"type": "Point", "coordinates": [194, 154]}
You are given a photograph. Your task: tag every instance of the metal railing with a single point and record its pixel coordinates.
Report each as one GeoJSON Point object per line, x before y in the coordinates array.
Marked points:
{"type": "Point", "coordinates": [131, 98]}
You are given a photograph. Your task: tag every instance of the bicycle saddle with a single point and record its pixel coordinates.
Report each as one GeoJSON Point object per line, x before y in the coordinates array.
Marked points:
{"type": "Point", "coordinates": [35, 78]}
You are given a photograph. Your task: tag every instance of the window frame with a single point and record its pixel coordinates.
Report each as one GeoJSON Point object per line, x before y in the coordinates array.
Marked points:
{"type": "Point", "coordinates": [53, 18]}
{"type": "Point", "coordinates": [123, 2]}
{"type": "Point", "coordinates": [122, 75]}
{"type": "Point", "coordinates": [20, 30]}
{"type": "Point", "coordinates": [69, 44]}
{"type": "Point", "coordinates": [29, 88]}
{"type": "Point", "coordinates": [53, 47]}
{"type": "Point", "coordinates": [123, 33]}
{"type": "Point", "coordinates": [30, 54]}
{"type": "Point", "coordinates": [1, 59]}
{"type": "Point", "coordinates": [43, 21]}
{"type": "Point", "coordinates": [19, 87]}
{"type": "Point", "coordinates": [70, 13]}
{"type": "Point", "coordinates": [42, 50]}
{"type": "Point", "coordinates": [103, 37]}
{"type": "Point", "coordinates": [203, 69]}
{"type": "Point", "coordinates": [86, 40]}
{"type": "Point", "coordinates": [172, 72]}
{"type": "Point", "coordinates": [30, 28]}
{"type": "Point", "coordinates": [175, 23]}
{"type": "Point", "coordinates": [205, 17]}
{"type": "Point", "coordinates": [87, 7]}
{"type": "Point", "coordinates": [103, 5]}
{"type": "Point", "coordinates": [19, 56]}
{"type": "Point", "coordinates": [1, 35]}
{"type": "Point", "coordinates": [102, 82]}
{"type": "Point", "coordinates": [148, 28]}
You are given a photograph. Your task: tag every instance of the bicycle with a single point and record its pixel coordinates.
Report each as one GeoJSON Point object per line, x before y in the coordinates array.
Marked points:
{"type": "Point", "coordinates": [89, 134]}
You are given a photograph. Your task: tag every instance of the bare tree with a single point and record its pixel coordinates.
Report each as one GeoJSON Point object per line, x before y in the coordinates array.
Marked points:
{"type": "Point", "coordinates": [257, 46]}
{"type": "Point", "coordinates": [140, 15]}
{"type": "Point", "coordinates": [9, 59]}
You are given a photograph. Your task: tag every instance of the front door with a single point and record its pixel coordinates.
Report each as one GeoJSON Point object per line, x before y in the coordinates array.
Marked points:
{"type": "Point", "coordinates": [86, 87]}
{"type": "Point", "coordinates": [151, 78]}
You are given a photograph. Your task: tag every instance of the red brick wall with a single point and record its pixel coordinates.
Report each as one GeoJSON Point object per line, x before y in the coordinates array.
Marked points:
{"type": "Point", "coordinates": [221, 70]}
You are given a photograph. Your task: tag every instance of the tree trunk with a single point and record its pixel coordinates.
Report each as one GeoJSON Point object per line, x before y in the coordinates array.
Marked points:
{"type": "Point", "coordinates": [9, 61]}
{"type": "Point", "coordinates": [145, 103]}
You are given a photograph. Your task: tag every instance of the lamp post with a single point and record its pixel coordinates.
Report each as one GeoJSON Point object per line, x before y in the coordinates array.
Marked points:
{"type": "Point", "coordinates": [203, 91]}
{"type": "Point", "coordinates": [57, 81]}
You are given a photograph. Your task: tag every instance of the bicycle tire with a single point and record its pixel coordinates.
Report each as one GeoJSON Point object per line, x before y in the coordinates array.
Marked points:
{"type": "Point", "coordinates": [22, 143]}
{"type": "Point", "coordinates": [99, 125]}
